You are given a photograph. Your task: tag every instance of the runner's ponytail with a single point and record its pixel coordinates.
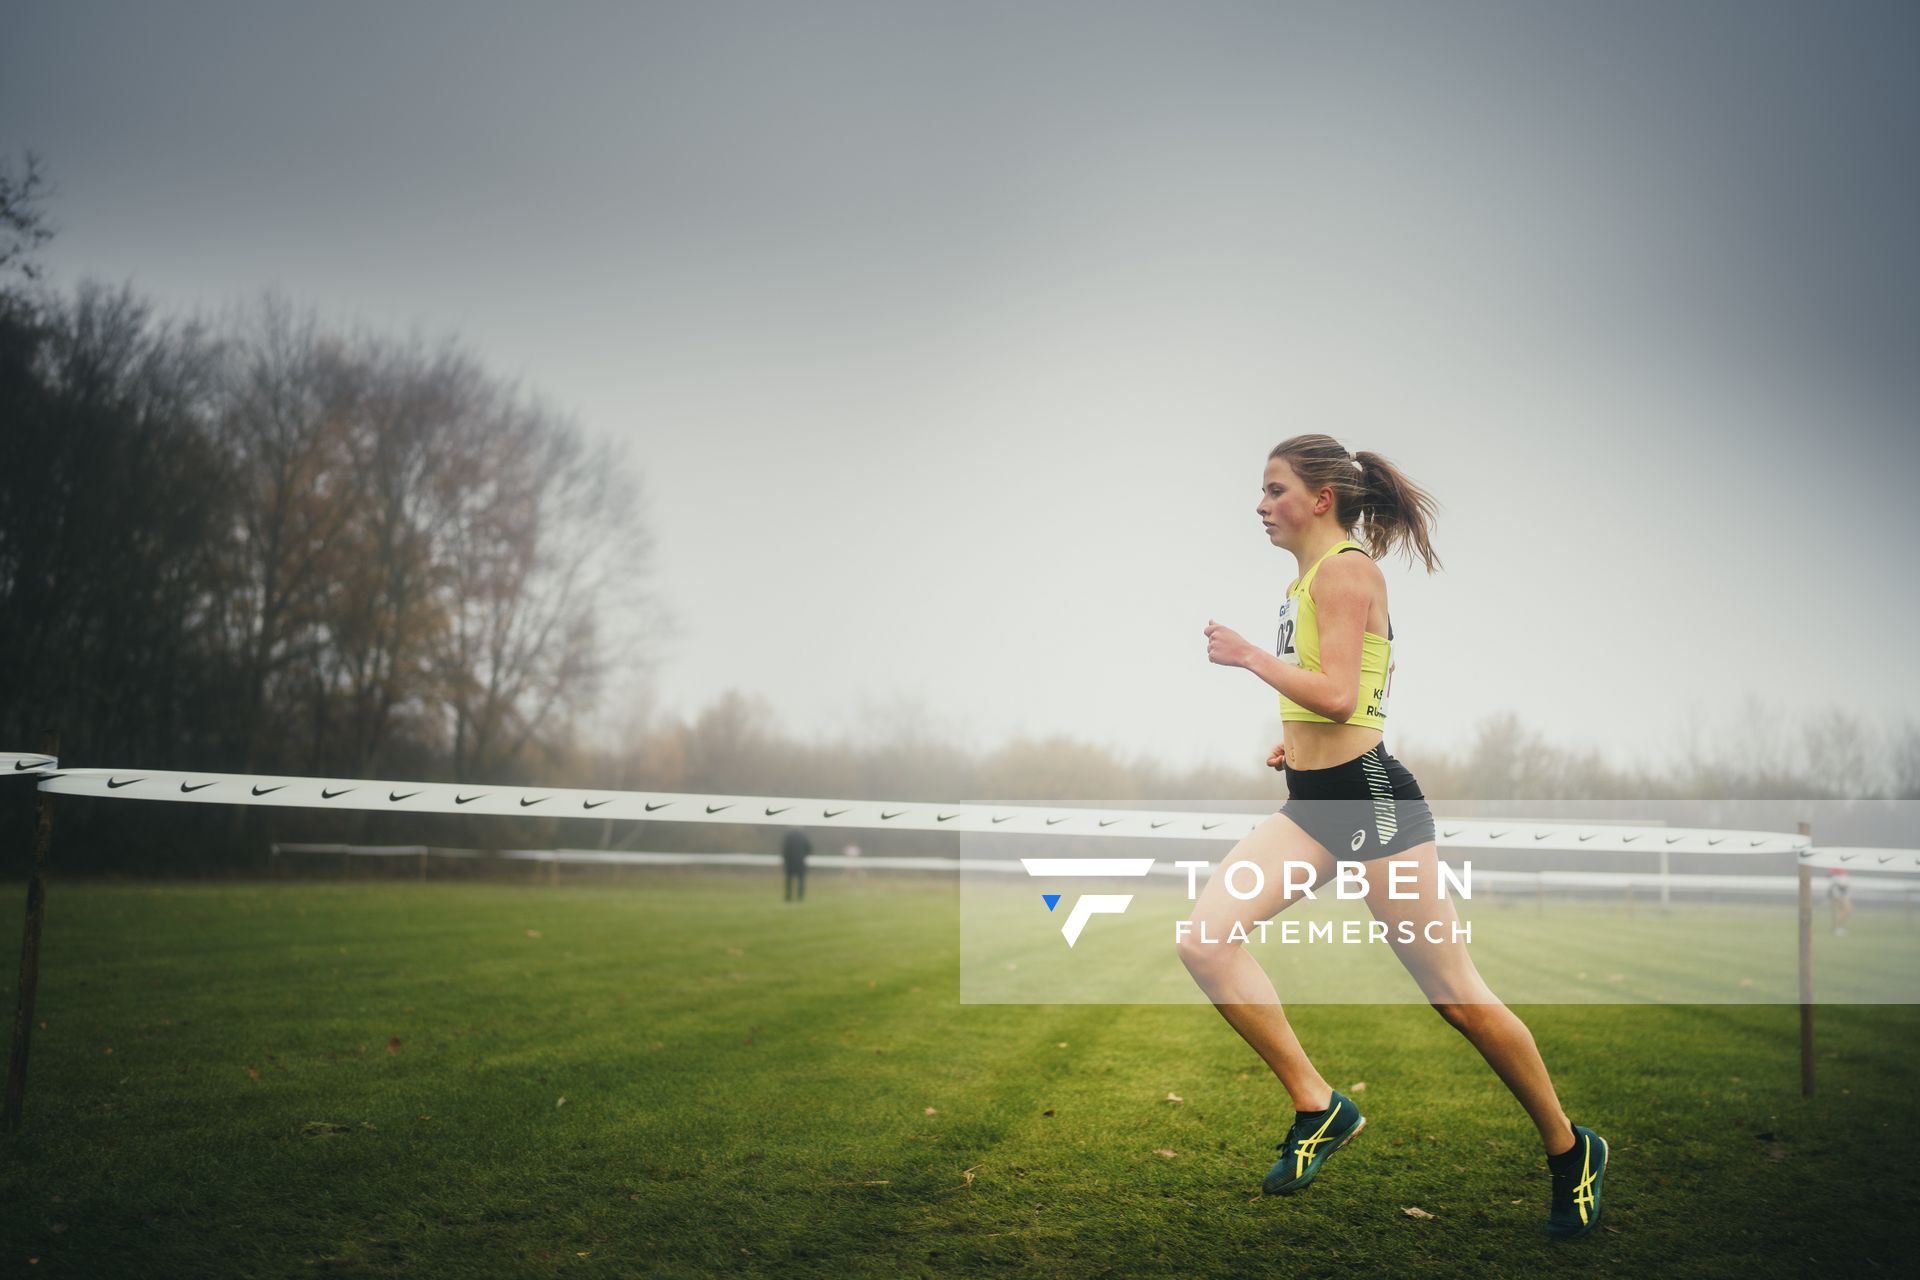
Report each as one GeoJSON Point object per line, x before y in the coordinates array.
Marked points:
{"type": "Point", "coordinates": [1373, 501]}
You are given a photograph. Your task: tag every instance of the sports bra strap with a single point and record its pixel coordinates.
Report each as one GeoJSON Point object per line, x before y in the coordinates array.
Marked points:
{"type": "Point", "coordinates": [1354, 546]}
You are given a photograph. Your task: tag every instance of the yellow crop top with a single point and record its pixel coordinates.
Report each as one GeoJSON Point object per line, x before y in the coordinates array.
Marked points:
{"type": "Point", "coordinates": [1299, 645]}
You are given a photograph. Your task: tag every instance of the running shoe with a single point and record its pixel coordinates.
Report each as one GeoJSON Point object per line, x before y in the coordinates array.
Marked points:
{"type": "Point", "coordinates": [1310, 1141]}
{"type": "Point", "coordinates": [1577, 1174]}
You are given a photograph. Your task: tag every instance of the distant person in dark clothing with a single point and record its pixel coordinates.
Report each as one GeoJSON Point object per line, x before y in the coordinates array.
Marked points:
{"type": "Point", "coordinates": [793, 852]}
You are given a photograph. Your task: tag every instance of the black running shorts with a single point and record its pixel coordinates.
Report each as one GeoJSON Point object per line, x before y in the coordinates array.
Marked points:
{"type": "Point", "coordinates": [1365, 808]}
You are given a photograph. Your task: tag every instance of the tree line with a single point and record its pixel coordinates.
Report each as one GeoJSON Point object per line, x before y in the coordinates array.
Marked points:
{"type": "Point", "coordinates": [265, 544]}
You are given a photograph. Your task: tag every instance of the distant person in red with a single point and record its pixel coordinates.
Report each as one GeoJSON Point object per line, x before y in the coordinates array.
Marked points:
{"type": "Point", "coordinates": [793, 852]}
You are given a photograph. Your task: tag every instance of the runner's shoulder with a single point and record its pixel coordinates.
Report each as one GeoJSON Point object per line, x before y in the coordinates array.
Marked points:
{"type": "Point", "coordinates": [1350, 571]}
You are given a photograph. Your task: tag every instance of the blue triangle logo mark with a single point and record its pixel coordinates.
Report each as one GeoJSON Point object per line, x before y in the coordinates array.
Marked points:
{"type": "Point", "coordinates": [1052, 900]}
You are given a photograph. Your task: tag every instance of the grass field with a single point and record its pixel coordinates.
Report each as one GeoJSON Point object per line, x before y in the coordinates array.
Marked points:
{"type": "Point", "coordinates": [687, 1076]}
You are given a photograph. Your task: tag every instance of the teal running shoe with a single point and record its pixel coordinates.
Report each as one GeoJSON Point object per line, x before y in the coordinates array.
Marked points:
{"type": "Point", "coordinates": [1577, 1175]}
{"type": "Point", "coordinates": [1309, 1142]}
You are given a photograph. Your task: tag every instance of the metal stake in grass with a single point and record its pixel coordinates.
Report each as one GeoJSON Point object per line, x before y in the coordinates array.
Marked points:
{"type": "Point", "coordinates": [30, 947]}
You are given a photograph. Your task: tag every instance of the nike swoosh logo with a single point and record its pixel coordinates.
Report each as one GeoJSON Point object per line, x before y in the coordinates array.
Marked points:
{"type": "Point", "coordinates": [465, 799]}
{"type": "Point", "coordinates": [1051, 821]}
{"type": "Point", "coordinates": [593, 804]}
{"type": "Point", "coordinates": [1495, 835]}
{"type": "Point", "coordinates": [782, 809]}
{"type": "Point", "coordinates": [1008, 818]}
{"type": "Point", "coordinates": [1107, 822]}
{"type": "Point", "coordinates": [1675, 839]}
{"type": "Point", "coordinates": [29, 764]}
{"type": "Point", "coordinates": [397, 798]}
{"type": "Point", "coordinates": [1586, 837]}
{"type": "Point", "coordinates": [896, 813]}
{"type": "Point", "coordinates": [528, 804]}
{"type": "Point", "coordinates": [663, 804]}
{"type": "Point", "coordinates": [1541, 835]}
{"type": "Point", "coordinates": [831, 813]}
{"type": "Point", "coordinates": [1715, 840]}
{"type": "Point", "coordinates": [328, 795]}
{"type": "Point", "coordinates": [198, 786]}
{"type": "Point", "coordinates": [1157, 825]}
{"type": "Point", "coordinates": [262, 791]}
{"type": "Point", "coordinates": [1208, 826]}
{"type": "Point", "coordinates": [1847, 857]}
{"type": "Point", "coordinates": [1448, 835]}
{"type": "Point", "coordinates": [1755, 844]}
{"type": "Point", "coordinates": [114, 786]}
{"type": "Point", "coordinates": [942, 817]}
{"type": "Point", "coordinates": [715, 808]}
{"type": "Point", "coordinates": [1628, 839]}
{"type": "Point", "coordinates": [1889, 858]}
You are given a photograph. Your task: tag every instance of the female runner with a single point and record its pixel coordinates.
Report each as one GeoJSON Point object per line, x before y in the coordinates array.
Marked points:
{"type": "Point", "coordinates": [1350, 800]}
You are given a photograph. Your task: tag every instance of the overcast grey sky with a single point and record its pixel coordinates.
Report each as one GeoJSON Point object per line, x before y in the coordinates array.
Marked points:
{"type": "Point", "coordinates": [952, 338]}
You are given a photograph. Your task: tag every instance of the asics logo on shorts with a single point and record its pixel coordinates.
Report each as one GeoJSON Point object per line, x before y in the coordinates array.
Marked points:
{"type": "Point", "coordinates": [1359, 838]}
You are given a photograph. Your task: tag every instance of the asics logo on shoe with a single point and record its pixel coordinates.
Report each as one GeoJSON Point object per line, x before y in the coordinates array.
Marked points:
{"type": "Point", "coordinates": [1308, 1146]}
{"type": "Point", "coordinates": [1583, 1192]}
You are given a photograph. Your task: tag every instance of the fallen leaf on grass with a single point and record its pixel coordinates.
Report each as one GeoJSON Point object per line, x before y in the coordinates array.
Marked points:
{"type": "Point", "coordinates": [1047, 1112]}
{"type": "Point", "coordinates": [1358, 1086]}
{"type": "Point", "coordinates": [1061, 1045]}
{"type": "Point", "coordinates": [930, 1111]}
{"type": "Point", "coordinates": [559, 1104]}
{"type": "Point", "coordinates": [1416, 1213]}
{"type": "Point", "coordinates": [1174, 1097]}
{"type": "Point", "coordinates": [393, 1044]}
{"type": "Point", "coordinates": [252, 1074]}
{"type": "Point", "coordinates": [1163, 1151]}
{"type": "Point", "coordinates": [968, 1175]}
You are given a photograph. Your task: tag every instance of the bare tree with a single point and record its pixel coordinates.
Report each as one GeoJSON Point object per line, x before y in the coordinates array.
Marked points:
{"type": "Point", "coordinates": [284, 426]}
{"type": "Point", "coordinates": [547, 545]}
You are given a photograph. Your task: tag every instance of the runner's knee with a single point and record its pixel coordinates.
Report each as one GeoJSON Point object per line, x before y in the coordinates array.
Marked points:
{"type": "Point", "coordinates": [1197, 954]}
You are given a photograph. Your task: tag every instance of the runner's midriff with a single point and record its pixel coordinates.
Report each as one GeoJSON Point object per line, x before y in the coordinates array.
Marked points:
{"type": "Point", "coordinates": [1312, 745]}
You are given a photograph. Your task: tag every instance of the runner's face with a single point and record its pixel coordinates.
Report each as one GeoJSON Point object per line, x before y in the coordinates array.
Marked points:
{"type": "Point", "coordinates": [1286, 508]}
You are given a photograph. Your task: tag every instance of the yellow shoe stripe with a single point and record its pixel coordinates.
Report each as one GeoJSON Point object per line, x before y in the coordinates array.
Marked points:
{"type": "Point", "coordinates": [1304, 1152]}
{"type": "Point", "coordinates": [1583, 1192]}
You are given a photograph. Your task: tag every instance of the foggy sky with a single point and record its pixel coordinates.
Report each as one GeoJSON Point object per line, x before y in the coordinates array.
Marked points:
{"type": "Point", "coordinates": [951, 339]}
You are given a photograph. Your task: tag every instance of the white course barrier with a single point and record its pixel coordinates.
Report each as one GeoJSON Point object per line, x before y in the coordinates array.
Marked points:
{"type": "Point", "coordinates": [389, 796]}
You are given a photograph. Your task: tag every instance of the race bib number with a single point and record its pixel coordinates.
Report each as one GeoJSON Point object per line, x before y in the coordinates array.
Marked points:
{"type": "Point", "coordinates": [1377, 704]}
{"type": "Point", "coordinates": [1283, 643]}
